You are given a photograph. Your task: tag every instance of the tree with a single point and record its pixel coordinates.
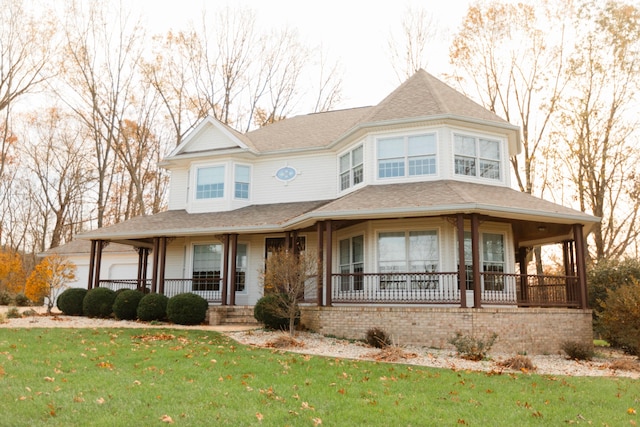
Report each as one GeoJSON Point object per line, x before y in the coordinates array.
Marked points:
{"type": "Point", "coordinates": [287, 276]}
{"type": "Point", "coordinates": [12, 274]}
{"type": "Point", "coordinates": [49, 278]}
{"type": "Point", "coordinates": [596, 140]}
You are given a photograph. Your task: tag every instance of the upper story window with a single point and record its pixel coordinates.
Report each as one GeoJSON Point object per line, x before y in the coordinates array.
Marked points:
{"type": "Point", "coordinates": [210, 183]}
{"type": "Point", "coordinates": [477, 157]}
{"type": "Point", "coordinates": [407, 156]}
{"type": "Point", "coordinates": [351, 168]}
{"type": "Point", "coordinates": [242, 181]}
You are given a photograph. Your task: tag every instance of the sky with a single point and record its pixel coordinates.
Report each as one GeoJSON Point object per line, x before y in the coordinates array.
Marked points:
{"type": "Point", "coordinates": [356, 32]}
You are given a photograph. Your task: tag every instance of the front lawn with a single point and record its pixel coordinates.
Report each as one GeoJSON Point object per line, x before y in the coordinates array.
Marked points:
{"type": "Point", "coordinates": [147, 377]}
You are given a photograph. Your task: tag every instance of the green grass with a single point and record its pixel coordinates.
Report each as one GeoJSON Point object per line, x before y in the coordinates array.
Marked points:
{"type": "Point", "coordinates": [125, 377]}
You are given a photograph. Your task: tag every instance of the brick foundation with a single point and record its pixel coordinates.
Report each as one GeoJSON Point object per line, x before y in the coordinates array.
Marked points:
{"type": "Point", "coordinates": [520, 330]}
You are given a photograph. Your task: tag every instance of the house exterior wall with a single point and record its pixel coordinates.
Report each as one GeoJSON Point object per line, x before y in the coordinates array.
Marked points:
{"type": "Point", "coordinates": [533, 331]}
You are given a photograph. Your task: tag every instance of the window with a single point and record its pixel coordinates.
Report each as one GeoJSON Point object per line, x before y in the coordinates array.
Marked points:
{"type": "Point", "coordinates": [352, 263]}
{"type": "Point", "coordinates": [493, 261]}
{"type": "Point", "coordinates": [351, 168]}
{"type": "Point", "coordinates": [241, 267]}
{"type": "Point", "coordinates": [242, 180]}
{"type": "Point", "coordinates": [207, 262]}
{"type": "Point", "coordinates": [477, 157]}
{"type": "Point", "coordinates": [407, 156]}
{"type": "Point", "coordinates": [492, 248]}
{"type": "Point", "coordinates": [408, 252]}
{"type": "Point", "coordinates": [210, 183]}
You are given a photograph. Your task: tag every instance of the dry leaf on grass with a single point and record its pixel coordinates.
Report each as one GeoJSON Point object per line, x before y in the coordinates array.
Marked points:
{"type": "Point", "coordinates": [390, 354]}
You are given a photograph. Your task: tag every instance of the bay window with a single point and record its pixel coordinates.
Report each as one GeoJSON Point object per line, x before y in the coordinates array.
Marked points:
{"type": "Point", "coordinates": [210, 182]}
{"type": "Point", "coordinates": [477, 157]}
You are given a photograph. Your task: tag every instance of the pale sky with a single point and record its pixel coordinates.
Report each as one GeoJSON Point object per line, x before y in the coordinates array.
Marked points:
{"type": "Point", "coordinates": [354, 31]}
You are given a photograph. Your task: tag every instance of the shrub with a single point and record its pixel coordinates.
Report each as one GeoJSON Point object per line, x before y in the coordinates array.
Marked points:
{"type": "Point", "coordinates": [377, 338]}
{"type": "Point", "coordinates": [5, 298]}
{"type": "Point", "coordinates": [152, 307]}
{"type": "Point", "coordinates": [578, 350]}
{"type": "Point", "coordinates": [13, 313]}
{"type": "Point", "coordinates": [268, 311]}
{"type": "Point", "coordinates": [98, 302]}
{"type": "Point", "coordinates": [125, 306]}
{"type": "Point", "coordinates": [21, 300]}
{"type": "Point", "coordinates": [70, 301]}
{"type": "Point", "coordinates": [620, 317]}
{"type": "Point", "coordinates": [187, 309]}
{"type": "Point", "coordinates": [519, 363]}
{"type": "Point", "coordinates": [472, 348]}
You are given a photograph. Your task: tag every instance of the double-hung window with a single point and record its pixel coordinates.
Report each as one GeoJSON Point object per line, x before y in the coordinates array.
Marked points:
{"type": "Point", "coordinates": [493, 261]}
{"type": "Point", "coordinates": [406, 156]}
{"type": "Point", "coordinates": [352, 263]}
{"type": "Point", "coordinates": [478, 157]}
{"type": "Point", "coordinates": [241, 267]}
{"type": "Point", "coordinates": [242, 181]}
{"type": "Point", "coordinates": [207, 267]}
{"type": "Point", "coordinates": [351, 168]}
{"type": "Point", "coordinates": [414, 252]}
{"type": "Point", "coordinates": [210, 182]}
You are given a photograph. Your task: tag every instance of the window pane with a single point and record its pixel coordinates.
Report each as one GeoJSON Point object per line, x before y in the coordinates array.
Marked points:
{"type": "Point", "coordinates": [344, 181]}
{"type": "Point", "coordinates": [243, 173]}
{"type": "Point", "coordinates": [391, 246]}
{"type": "Point", "coordinates": [465, 166]}
{"type": "Point", "coordinates": [358, 249]}
{"type": "Point", "coordinates": [391, 147]}
{"type": "Point", "coordinates": [493, 247]}
{"type": "Point", "coordinates": [344, 252]}
{"type": "Point", "coordinates": [390, 168]}
{"type": "Point", "coordinates": [358, 175]}
{"type": "Point", "coordinates": [345, 163]}
{"type": "Point", "coordinates": [241, 266]}
{"type": "Point", "coordinates": [207, 267]}
{"type": "Point", "coordinates": [465, 145]}
{"type": "Point", "coordinates": [422, 145]}
{"type": "Point", "coordinates": [357, 156]}
{"type": "Point", "coordinates": [489, 149]}
{"type": "Point", "coordinates": [489, 169]}
{"type": "Point", "coordinates": [422, 166]}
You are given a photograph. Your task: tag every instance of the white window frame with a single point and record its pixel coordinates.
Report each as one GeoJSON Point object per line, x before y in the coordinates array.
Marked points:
{"type": "Point", "coordinates": [404, 160]}
{"type": "Point", "coordinates": [198, 191]}
{"type": "Point", "coordinates": [350, 170]}
{"type": "Point", "coordinates": [348, 265]}
{"type": "Point", "coordinates": [241, 267]}
{"type": "Point", "coordinates": [478, 164]}
{"type": "Point", "coordinates": [219, 278]}
{"type": "Point", "coordinates": [236, 181]}
{"type": "Point", "coordinates": [498, 281]}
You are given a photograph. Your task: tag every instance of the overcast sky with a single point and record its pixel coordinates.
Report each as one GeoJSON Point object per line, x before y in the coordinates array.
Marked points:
{"type": "Point", "coordinates": [354, 31]}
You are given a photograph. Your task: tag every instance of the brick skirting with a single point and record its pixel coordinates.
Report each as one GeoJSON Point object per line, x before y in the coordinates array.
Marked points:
{"type": "Point", "coordinates": [520, 330]}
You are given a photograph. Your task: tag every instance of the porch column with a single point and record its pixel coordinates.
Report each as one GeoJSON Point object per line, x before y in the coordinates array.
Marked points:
{"type": "Point", "coordinates": [225, 269]}
{"type": "Point", "coordinates": [580, 264]}
{"type": "Point", "coordinates": [328, 266]}
{"type": "Point", "coordinates": [96, 279]}
{"type": "Point", "coordinates": [232, 276]}
{"type": "Point", "coordinates": [145, 267]}
{"type": "Point", "coordinates": [319, 274]}
{"type": "Point", "coordinates": [524, 288]}
{"type": "Point", "coordinates": [162, 264]}
{"type": "Point", "coordinates": [92, 264]}
{"type": "Point", "coordinates": [475, 254]}
{"type": "Point", "coordinates": [462, 271]}
{"type": "Point", "coordinates": [156, 258]}
{"type": "Point", "coordinates": [139, 285]}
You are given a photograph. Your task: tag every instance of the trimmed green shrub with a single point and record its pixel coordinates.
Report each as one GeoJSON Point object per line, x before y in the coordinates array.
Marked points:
{"type": "Point", "coordinates": [472, 348]}
{"type": "Point", "coordinates": [268, 311]}
{"type": "Point", "coordinates": [620, 317]}
{"type": "Point", "coordinates": [5, 298]}
{"type": "Point", "coordinates": [377, 338]}
{"type": "Point", "coordinates": [187, 309]}
{"type": "Point", "coordinates": [125, 306]}
{"type": "Point", "coordinates": [152, 307]}
{"type": "Point", "coordinates": [21, 300]}
{"type": "Point", "coordinates": [98, 302]}
{"type": "Point", "coordinates": [70, 301]}
{"type": "Point", "coordinates": [577, 350]}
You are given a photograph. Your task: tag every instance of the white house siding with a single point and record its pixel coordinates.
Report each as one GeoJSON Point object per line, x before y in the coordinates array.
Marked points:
{"type": "Point", "coordinates": [210, 138]}
{"type": "Point", "coordinates": [178, 187]}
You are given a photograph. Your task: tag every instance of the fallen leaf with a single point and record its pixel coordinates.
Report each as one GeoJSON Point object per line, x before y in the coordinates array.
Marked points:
{"type": "Point", "coordinates": [316, 421]}
{"type": "Point", "coordinates": [49, 379]}
{"type": "Point", "coordinates": [259, 416]}
{"type": "Point", "coordinates": [166, 419]}
{"type": "Point", "coordinates": [100, 400]}
{"type": "Point", "coordinates": [631, 411]}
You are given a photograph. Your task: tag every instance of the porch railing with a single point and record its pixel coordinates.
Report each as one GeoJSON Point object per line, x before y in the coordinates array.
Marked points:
{"type": "Point", "coordinates": [444, 288]}
{"type": "Point", "coordinates": [206, 288]}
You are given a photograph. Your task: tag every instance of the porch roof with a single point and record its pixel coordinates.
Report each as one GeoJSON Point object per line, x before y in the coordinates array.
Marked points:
{"type": "Point", "coordinates": [372, 202]}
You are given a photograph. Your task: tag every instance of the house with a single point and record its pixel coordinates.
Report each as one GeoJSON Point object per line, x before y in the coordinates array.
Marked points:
{"type": "Point", "coordinates": [408, 205]}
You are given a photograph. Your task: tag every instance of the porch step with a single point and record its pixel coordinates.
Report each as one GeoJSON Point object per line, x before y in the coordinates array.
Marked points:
{"type": "Point", "coordinates": [232, 315]}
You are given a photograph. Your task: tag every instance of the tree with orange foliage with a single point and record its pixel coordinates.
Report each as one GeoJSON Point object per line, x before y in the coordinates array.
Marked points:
{"type": "Point", "coordinates": [12, 273]}
{"type": "Point", "coordinates": [49, 278]}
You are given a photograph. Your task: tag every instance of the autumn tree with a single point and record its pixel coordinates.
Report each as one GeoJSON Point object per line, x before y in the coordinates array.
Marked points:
{"type": "Point", "coordinates": [12, 275]}
{"type": "Point", "coordinates": [596, 140]}
{"type": "Point", "coordinates": [48, 279]}
{"type": "Point", "coordinates": [287, 277]}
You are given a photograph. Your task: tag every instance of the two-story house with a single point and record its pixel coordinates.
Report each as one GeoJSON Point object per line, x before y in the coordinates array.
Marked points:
{"type": "Point", "coordinates": [408, 205]}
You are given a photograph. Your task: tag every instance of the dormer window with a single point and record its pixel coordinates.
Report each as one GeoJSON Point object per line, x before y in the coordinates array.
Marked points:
{"type": "Point", "coordinates": [210, 183]}
{"type": "Point", "coordinates": [407, 156]}
{"type": "Point", "coordinates": [477, 157]}
{"type": "Point", "coordinates": [351, 168]}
